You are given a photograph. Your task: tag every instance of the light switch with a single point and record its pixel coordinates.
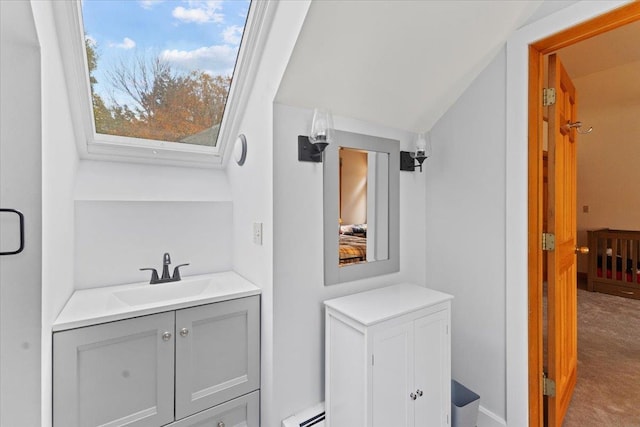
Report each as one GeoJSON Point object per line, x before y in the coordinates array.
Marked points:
{"type": "Point", "coordinates": [585, 209]}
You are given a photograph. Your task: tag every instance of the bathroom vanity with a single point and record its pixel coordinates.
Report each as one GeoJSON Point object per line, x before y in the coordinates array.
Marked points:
{"type": "Point", "coordinates": [181, 354]}
{"type": "Point", "coordinates": [387, 357]}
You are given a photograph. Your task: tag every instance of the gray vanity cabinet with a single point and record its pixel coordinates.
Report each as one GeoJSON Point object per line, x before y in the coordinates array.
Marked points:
{"type": "Point", "coordinates": [115, 373]}
{"type": "Point", "coordinates": [205, 359]}
{"type": "Point", "coordinates": [217, 354]}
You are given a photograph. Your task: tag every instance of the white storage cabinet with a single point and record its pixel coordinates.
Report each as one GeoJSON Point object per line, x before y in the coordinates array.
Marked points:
{"type": "Point", "coordinates": [130, 372]}
{"type": "Point", "coordinates": [388, 358]}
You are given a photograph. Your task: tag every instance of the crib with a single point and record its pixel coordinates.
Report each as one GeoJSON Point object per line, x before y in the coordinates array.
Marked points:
{"type": "Point", "coordinates": [614, 262]}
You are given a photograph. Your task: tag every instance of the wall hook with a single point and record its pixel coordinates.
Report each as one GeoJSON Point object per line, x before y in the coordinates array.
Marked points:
{"type": "Point", "coordinates": [578, 126]}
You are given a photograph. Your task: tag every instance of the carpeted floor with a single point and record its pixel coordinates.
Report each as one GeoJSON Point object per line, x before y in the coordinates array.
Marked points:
{"type": "Point", "coordinates": [607, 392]}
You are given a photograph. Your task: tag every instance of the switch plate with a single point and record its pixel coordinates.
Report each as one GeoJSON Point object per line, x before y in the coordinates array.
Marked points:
{"type": "Point", "coordinates": [257, 233]}
{"type": "Point", "coordinates": [585, 209]}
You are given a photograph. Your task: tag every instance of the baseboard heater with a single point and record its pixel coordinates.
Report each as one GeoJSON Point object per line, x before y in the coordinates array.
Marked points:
{"type": "Point", "coordinates": [312, 417]}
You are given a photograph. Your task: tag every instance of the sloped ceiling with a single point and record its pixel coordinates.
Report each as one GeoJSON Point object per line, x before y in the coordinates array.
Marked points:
{"type": "Point", "coordinates": [605, 68]}
{"type": "Point", "coordinates": [401, 64]}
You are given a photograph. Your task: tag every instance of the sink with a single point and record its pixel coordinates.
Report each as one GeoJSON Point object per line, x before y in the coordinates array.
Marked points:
{"type": "Point", "coordinates": [151, 294]}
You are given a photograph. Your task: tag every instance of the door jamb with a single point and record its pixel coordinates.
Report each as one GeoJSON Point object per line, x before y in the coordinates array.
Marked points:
{"type": "Point", "coordinates": [598, 25]}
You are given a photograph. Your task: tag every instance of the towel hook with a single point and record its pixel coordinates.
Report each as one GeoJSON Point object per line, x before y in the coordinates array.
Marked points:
{"type": "Point", "coordinates": [578, 126]}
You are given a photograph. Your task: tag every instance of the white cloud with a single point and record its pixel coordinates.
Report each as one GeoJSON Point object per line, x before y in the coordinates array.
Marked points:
{"type": "Point", "coordinates": [148, 4]}
{"type": "Point", "coordinates": [218, 59]}
{"type": "Point", "coordinates": [200, 12]}
{"type": "Point", "coordinates": [232, 34]}
{"type": "Point", "coordinates": [127, 43]}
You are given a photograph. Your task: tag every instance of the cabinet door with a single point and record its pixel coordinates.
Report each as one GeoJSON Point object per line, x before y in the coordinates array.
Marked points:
{"type": "Point", "coordinates": [392, 377]}
{"type": "Point", "coordinates": [241, 412]}
{"type": "Point", "coordinates": [217, 353]}
{"type": "Point", "coordinates": [114, 374]}
{"type": "Point", "coordinates": [432, 369]}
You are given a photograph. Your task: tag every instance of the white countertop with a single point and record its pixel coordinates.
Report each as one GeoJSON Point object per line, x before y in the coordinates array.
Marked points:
{"type": "Point", "coordinates": [381, 304]}
{"type": "Point", "coordinates": [99, 305]}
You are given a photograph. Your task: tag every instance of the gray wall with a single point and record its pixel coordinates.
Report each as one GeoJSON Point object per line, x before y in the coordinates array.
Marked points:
{"type": "Point", "coordinates": [20, 189]}
{"type": "Point", "coordinates": [298, 285]}
{"type": "Point", "coordinates": [465, 220]}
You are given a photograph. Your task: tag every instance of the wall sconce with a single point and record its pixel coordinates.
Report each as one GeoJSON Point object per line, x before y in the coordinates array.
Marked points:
{"type": "Point", "coordinates": [410, 160]}
{"type": "Point", "coordinates": [310, 148]}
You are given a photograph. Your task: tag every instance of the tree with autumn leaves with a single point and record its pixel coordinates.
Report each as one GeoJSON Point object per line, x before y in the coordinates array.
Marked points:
{"type": "Point", "coordinates": [164, 105]}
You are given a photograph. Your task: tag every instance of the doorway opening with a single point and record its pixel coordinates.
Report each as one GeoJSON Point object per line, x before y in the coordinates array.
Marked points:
{"type": "Point", "coordinates": [537, 53]}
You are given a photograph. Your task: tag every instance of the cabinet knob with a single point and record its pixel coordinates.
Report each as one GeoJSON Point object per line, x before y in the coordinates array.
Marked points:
{"type": "Point", "coordinates": [220, 424]}
{"type": "Point", "coordinates": [166, 336]}
{"type": "Point", "coordinates": [419, 393]}
{"type": "Point", "coordinates": [183, 333]}
{"type": "Point", "coordinates": [413, 396]}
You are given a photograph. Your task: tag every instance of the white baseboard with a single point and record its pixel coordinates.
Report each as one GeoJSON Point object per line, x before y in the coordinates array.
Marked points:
{"type": "Point", "coordinates": [486, 418]}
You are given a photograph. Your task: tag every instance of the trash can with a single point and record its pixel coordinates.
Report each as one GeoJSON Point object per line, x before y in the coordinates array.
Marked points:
{"type": "Point", "coordinates": [464, 406]}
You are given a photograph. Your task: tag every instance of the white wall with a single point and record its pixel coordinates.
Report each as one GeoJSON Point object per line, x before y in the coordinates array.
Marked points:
{"type": "Point", "coordinates": [465, 217]}
{"type": "Point", "coordinates": [252, 186]}
{"type": "Point", "coordinates": [609, 157]}
{"type": "Point", "coordinates": [298, 284]}
{"type": "Point", "coordinates": [128, 215]}
{"type": "Point", "coordinates": [114, 239]}
{"type": "Point", "coordinates": [59, 165]}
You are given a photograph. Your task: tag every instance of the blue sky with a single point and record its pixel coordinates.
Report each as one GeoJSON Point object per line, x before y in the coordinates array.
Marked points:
{"type": "Point", "coordinates": [189, 34]}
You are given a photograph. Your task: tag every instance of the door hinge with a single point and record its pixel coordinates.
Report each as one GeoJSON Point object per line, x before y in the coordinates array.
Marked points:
{"type": "Point", "coordinates": [548, 242]}
{"type": "Point", "coordinates": [548, 96]}
{"type": "Point", "coordinates": [548, 386]}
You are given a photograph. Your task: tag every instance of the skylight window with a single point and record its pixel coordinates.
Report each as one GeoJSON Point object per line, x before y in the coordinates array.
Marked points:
{"type": "Point", "coordinates": [161, 71]}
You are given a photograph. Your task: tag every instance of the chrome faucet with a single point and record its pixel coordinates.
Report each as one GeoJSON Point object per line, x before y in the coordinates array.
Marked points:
{"type": "Point", "coordinates": [166, 261]}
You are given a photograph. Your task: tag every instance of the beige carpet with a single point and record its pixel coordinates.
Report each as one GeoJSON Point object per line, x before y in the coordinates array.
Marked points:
{"type": "Point", "coordinates": [607, 393]}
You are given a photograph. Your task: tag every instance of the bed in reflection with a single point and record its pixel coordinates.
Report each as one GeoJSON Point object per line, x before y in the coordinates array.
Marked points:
{"type": "Point", "coordinates": [353, 244]}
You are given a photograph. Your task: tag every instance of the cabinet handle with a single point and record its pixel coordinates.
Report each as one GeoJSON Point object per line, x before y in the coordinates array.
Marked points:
{"type": "Point", "coordinates": [419, 393]}
{"type": "Point", "coordinates": [166, 336]}
{"type": "Point", "coordinates": [220, 424]}
{"type": "Point", "coordinates": [413, 396]}
{"type": "Point", "coordinates": [183, 333]}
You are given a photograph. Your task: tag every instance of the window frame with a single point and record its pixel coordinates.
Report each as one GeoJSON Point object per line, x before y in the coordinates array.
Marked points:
{"type": "Point", "coordinates": [94, 146]}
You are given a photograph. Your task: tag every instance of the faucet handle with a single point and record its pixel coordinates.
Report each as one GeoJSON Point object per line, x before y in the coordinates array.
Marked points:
{"type": "Point", "coordinates": [154, 275]}
{"type": "Point", "coordinates": [176, 272]}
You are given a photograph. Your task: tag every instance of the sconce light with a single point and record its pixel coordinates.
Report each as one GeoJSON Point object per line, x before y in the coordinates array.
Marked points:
{"type": "Point", "coordinates": [410, 160]}
{"type": "Point", "coordinates": [310, 148]}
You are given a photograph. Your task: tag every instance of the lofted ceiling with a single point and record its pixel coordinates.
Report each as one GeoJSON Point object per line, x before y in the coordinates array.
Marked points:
{"type": "Point", "coordinates": [399, 63]}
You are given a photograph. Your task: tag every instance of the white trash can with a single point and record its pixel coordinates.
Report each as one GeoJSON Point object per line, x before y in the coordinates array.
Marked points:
{"type": "Point", "coordinates": [464, 406]}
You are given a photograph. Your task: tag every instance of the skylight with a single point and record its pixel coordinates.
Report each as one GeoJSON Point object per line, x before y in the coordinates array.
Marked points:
{"type": "Point", "coordinates": [161, 70]}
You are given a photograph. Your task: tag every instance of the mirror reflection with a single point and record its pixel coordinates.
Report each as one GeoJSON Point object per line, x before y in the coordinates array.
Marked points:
{"type": "Point", "coordinates": [363, 200]}
{"type": "Point", "coordinates": [361, 175]}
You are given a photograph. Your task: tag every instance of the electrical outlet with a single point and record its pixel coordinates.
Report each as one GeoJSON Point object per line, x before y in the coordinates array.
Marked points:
{"type": "Point", "coordinates": [257, 233]}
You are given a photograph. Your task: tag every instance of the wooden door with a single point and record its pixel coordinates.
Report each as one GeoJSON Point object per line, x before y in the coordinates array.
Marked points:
{"type": "Point", "coordinates": [392, 376]}
{"type": "Point", "coordinates": [432, 370]}
{"type": "Point", "coordinates": [562, 293]}
{"type": "Point", "coordinates": [217, 353]}
{"type": "Point", "coordinates": [118, 373]}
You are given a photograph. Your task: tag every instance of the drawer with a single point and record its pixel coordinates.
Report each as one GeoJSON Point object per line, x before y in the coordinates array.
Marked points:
{"type": "Point", "coordinates": [243, 411]}
{"type": "Point", "coordinates": [621, 291]}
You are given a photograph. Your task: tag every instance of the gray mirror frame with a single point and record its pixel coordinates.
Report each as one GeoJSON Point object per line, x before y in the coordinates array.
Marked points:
{"type": "Point", "coordinates": [333, 273]}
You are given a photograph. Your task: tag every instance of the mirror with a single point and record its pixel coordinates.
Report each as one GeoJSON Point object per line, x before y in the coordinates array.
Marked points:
{"type": "Point", "coordinates": [361, 183]}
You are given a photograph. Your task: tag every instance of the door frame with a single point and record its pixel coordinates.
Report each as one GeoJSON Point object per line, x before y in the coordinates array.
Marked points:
{"type": "Point", "coordinates": [584, 30]}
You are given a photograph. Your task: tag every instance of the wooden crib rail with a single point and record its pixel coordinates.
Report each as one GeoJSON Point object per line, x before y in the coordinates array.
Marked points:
{"type": "Point", "coordinates": [615, 255]}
